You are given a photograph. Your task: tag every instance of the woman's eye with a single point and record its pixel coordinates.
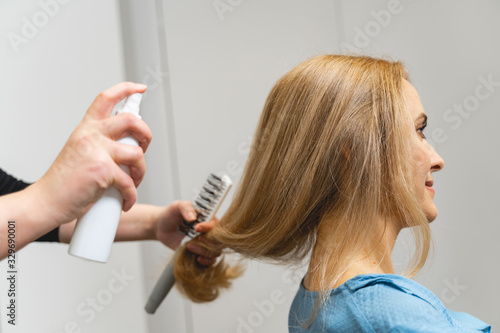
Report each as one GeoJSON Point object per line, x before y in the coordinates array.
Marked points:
{"type": "Point", "coordinates": [421, 130]}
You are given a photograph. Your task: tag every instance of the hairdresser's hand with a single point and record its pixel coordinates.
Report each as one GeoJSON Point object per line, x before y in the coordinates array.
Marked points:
{"type": "Point", "coordinates": [173, 216]}
{"type": "Point", "coordinates": [88, 163]}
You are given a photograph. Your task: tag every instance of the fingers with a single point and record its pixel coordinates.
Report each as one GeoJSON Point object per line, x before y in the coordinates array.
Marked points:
{"type": "Point", "coordinates": [187, 210]}
{"type": "Point", "coordinates": [125, 124]}
{"type": "Point", "coordinates": [207, 251]}
{"type": "Point", "coordinates": [206, 261]}
{"type": "Point", "coordinates": [204, 227]}
{"type": "Point", "coordinates": [124, 183]}
{"type": "Point", "coordinates": [131, 157]}
{"type": "Point", "coordinates": [104, 103]}
{"type": "Point", "coordinates": [206, 257]}
{"type": "Point", "coordinates": [202, 251]}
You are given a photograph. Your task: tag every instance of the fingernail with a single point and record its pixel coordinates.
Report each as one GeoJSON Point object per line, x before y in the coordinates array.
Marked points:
{"type": "Point", "coordinates": [191, 216]}
{"type": "Point", "coordinates": [142, 86]}
{"type": "Point", "coordinates": [198, 228]}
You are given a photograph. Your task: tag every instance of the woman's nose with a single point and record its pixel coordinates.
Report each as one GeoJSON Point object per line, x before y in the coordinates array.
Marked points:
{"type": "Point", "coordinates": [437, 162]}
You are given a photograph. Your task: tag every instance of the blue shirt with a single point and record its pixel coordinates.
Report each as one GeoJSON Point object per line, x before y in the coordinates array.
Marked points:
{"type": "Point", "coordinates": [379, 303]}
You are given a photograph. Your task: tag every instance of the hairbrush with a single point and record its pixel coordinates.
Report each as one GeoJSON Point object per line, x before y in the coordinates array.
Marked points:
{"type": "Point", "coordinates": [206, 205]}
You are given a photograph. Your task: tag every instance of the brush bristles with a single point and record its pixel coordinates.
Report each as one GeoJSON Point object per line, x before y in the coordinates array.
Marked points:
{"type": "Point", "coordinates": [205, 202]}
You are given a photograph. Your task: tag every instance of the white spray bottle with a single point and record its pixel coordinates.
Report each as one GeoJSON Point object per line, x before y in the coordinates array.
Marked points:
{"type": "Point", "coordinates": [95, 231]}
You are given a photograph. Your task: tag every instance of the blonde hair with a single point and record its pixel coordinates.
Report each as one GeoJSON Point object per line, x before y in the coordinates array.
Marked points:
{"type": "Point", "coordinates": [330, 154]}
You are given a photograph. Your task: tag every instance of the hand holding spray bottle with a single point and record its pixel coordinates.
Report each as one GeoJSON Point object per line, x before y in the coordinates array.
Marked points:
{"type": "Point", "coordinates": [95, 231]}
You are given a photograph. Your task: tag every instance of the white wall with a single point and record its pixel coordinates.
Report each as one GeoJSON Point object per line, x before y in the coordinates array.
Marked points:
{"type": "Point", "coordinates": [45, 89]}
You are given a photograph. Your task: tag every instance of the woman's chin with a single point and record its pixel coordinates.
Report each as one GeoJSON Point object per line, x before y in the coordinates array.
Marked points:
{"type": "Point", "coordinates": [431, 214]}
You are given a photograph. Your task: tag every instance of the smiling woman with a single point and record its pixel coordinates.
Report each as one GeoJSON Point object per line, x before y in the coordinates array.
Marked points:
{"type": "Point", "coordinates": [339, 165]}
{"type": "Point", "coordinates": [426, 158]}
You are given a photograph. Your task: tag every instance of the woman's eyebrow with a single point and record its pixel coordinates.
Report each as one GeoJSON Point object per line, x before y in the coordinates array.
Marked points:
{"type": "Point", "coordinates": [422, 115]}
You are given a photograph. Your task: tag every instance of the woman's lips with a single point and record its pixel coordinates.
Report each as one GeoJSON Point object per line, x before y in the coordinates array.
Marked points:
{"type": "Point", "coordinates": [430, 189]}
{"type": "Point", "coordinates": [428, 185]}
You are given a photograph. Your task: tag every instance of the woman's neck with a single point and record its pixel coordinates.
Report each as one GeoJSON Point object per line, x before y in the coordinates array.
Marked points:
{"type": "Point", "coordinates": [376, 259]}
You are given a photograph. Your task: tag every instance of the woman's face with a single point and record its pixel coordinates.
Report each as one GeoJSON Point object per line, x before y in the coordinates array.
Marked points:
{"type": "Point", "coordinates": [426, 160]}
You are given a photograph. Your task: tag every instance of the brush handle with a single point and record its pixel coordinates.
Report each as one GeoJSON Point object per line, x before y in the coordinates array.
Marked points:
{"type": "Point", "coordinates": [161, 289]}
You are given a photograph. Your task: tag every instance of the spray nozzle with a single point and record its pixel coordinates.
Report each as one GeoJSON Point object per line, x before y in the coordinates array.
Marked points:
{"type": "Point", "coordinates": [131, 105]}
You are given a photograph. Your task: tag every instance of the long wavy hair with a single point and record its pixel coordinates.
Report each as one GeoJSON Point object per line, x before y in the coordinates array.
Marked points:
{"type": "Point", "coordinates": [331, 153]}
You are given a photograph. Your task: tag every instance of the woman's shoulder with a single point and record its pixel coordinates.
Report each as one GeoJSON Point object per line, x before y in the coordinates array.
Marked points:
{"type": "Point", "coordinates": [375, 287]}
{"type": "Point", "coordinates": [383, 302]}
{"type": "Point", "coordinates": [389, 300]}
{"type": "Point", "coordinates": [391, 290]}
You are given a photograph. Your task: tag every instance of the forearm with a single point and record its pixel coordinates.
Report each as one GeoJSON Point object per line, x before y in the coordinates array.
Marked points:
{"type": "Point", "coordinates": [136, 224]}
{"type": "Point", "coordinates": [32, 217]}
